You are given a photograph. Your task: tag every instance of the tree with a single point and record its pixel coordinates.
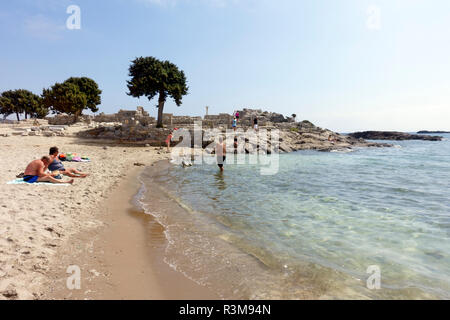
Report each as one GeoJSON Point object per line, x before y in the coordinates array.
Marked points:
{"type": "Point", "coordinates": [22, 101]}
{"type": "Point", "coordinates": [73, 96]}
{"type": "Point", "coordinates": [5, 107]}
{"type": "Point", "coordinates": [151, 77]}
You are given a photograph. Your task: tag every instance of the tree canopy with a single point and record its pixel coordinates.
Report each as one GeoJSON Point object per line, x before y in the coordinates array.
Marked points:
{"type": "Point", "coordinates": [151, 77]}
{"type": "Point", "coordinates": [22, 101]}
{"type": "Point", "coordinates": [73, 96]}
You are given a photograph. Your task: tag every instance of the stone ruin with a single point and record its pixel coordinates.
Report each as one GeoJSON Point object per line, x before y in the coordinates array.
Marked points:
{"type": "Point", "coordinates": [63, 119]}
{"type": "Point", "coordinates": [138, 126]}
{"type": "Point", "coordinates": [139, 117]}
{"type": "Point", "coordinates": [265, 118]}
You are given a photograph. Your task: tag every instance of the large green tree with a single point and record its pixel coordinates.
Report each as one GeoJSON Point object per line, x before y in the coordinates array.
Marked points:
{"type": "Point", "coordinates": [73, 96]}
{"type": "Point", "coordinates": [6, 108]}
{"type": "Point", "coordinates": [151, 77]}
{"type": "Point", "coordinates": [22, 102]}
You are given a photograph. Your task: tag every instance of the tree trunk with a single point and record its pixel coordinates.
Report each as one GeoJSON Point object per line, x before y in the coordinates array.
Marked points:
{"type": "Point", "coordinates": [76, 116]}
{"type": "Point", "coordinates": [26, 116]}
{"type": "Point", "coordinates": [18, 118]}
{"type": "Point", "coordinates": [162, 100]}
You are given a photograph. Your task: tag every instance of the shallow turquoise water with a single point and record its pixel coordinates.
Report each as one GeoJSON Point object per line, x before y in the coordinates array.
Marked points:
{"type": "Point", "coordinates": [344, 212]}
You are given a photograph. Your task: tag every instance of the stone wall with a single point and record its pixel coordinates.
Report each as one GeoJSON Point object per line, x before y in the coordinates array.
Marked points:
{"type": "Point", "coordinates": [136, 134]}
{"type": "Point", "coordinates": [102, 118]}
{"type": "Point", "coordinates": [177, 120]}
{"type": "Point", "coordinates": [62, 119]}
{"type": "Point", "coordinates": [246, 117]}
{"type": "Point", "coordinates": [141, 117]}
{"type": "Point", "coordinates": [167, 119]}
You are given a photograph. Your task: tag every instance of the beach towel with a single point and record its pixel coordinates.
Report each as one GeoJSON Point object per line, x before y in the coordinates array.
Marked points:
{"type": "Point", "coordinates": [20, 181]}
{"type": "Point", "coordinates": [73, 157]}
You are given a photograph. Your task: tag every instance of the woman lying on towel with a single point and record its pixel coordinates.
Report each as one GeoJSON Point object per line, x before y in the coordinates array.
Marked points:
{"type": "Point", "coordinates": [56, 165]}
{"type": "Point", "coordinates": [35, 172]}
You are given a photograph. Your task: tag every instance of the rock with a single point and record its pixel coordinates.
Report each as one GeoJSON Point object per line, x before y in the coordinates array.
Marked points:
{"type": "Point", "coordinates": [392, 135]}
{"type": "Point", "coordinates": [138, 164]}
{"type": "Point", "coordinates": [431, 132]}
{"type": "Point", "coordinates": [57, 128]}
{"type": "Point", "coordinates": [285, 148]}
{"type": "Point", "coordinates": [186, 164]}
{"type": "Point", "coordinates": [293, 135]}
{"type": "Point", "coordinates": [10, 294]}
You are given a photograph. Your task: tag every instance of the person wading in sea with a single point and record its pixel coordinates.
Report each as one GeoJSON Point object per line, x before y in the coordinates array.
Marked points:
{"type": "Point", "coordinates": [255, 123]}
{"type": "Point", "coordinates": [221, 153]}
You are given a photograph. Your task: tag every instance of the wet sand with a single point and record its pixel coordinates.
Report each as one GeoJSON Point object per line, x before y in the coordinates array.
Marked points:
{"type": "Point", "coordinates": [123, 259]}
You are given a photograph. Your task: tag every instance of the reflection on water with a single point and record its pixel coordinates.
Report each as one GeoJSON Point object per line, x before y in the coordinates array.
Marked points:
{"type": "Point", "coordinates": [220, 181]}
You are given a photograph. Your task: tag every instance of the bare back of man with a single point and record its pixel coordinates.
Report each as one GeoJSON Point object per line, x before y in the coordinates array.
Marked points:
{"type": "Point", "coordinates": [35, 172]}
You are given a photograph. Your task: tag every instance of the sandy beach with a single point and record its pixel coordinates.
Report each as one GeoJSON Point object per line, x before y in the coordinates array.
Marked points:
{"type": "Point", "coordinates": [92, 224]}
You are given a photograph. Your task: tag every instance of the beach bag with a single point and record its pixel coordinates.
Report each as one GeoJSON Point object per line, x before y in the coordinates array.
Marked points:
{"type": "Point", "coordinates": [57, 175]}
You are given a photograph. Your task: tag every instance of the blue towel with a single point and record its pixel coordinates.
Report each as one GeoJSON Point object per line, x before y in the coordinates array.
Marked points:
{"type": "Point", "coordinates": [20, 181]}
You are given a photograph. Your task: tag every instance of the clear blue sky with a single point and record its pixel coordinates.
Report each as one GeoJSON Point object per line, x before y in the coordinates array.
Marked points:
{"type": "Point", "coordinates": [343, 64]}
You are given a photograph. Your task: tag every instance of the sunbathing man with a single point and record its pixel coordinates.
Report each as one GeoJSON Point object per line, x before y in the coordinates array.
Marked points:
{"type": "Point", "coordinates": [35, 172]}
{"type": "Point", "coordinates": [56, 165]}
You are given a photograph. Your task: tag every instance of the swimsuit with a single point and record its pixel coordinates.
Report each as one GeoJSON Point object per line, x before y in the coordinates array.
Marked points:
{"type": "Point", "coordinates": [30, 179]}
{"type": "Point", "coordinates": [56, 165]}
{"type": "Point", "coordinates": [219, 162]}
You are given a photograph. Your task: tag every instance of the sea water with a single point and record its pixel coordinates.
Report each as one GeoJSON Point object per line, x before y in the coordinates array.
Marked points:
{"type": "Point", "coordinates": [369, 224]}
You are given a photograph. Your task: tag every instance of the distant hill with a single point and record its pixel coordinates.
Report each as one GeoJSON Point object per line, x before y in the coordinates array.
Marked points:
{"type": "Point", "coordinates": [425, 132]}
{"type": "Point", "coordinates": [392, 135]}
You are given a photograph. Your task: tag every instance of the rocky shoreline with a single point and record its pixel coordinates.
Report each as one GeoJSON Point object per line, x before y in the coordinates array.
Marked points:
{"type": "Point", "coordinates": [392, 135]}
{"type": "Point", "coordinates": [293, 136]}
{"type": "Point", "coordinates": [432, 132]}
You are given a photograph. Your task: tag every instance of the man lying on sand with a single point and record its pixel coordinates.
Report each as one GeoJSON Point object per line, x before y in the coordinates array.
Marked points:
{"type": "Point", "coordinates": [35, 172]}
{"type": "Point", "coordinates": [56, 165]}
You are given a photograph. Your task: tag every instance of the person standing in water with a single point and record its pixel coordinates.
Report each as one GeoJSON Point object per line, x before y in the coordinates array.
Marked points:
{"type": "Point", "coordinates": [169, 139]}
{"type": "Point", "coordinates": [221, 152]}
